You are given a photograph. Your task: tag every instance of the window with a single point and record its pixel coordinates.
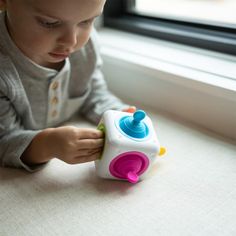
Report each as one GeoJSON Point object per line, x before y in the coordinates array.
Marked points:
{"type": "Point", "coordinates": [209, 24]}
{"type": "Point", "coordinates": [215, 12]}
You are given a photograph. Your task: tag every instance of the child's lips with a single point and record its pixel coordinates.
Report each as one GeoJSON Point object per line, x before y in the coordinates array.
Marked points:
{"type": "Point", "coordinates": [59, 55]}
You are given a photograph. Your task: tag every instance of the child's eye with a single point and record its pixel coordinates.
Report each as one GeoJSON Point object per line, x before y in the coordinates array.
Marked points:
{"type": "Point", "coordinates": [86, 23]}
{"type": "Point", "coordinates": [48, 24]}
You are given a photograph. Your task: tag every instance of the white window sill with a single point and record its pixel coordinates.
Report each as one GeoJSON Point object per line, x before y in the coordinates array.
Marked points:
{"type": "Point", "coordinates": [196, 85]}
{"type": "Point", "coordinates": [203, 66]}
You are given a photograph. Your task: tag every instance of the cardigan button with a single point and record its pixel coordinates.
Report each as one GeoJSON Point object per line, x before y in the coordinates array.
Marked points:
{"type": "Point", "coordinates": [55, 85]}
{"type": "Point", "coordinates": [54, 113]}
{"type": "Point", "coordinates": [55, 100]}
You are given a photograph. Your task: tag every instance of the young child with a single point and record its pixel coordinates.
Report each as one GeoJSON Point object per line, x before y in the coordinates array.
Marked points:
{"type": "Point", "coordinates": [49, 70]}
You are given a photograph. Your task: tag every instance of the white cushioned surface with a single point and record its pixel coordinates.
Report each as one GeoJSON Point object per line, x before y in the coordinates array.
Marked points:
{"type": "Point", "coordinates": [191, 191]}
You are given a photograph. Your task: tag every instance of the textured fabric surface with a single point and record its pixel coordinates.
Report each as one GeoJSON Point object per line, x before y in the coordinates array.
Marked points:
{"type": "Point", "coordinates": [191, 191]}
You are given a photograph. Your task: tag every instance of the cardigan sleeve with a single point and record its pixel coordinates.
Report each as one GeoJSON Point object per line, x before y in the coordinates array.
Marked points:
{"type": "Point", "coordinates": [14, 139]}
{"type": "Point", "coordinates": [100, 98]}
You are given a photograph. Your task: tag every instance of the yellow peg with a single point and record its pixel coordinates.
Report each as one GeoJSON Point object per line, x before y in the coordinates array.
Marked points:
{"type": "Point", "coordinates": [162, 151]}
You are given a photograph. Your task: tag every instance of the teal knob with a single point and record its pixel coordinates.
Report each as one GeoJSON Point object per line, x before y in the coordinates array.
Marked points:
{"type": "Point", "coordinates": [138, 116]}
{"type": "Point", "coordinates": [134, 126]}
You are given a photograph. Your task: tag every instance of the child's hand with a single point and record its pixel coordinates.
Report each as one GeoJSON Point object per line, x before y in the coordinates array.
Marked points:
{"type": "Point", "coordinates": [68, 143]}
{"type": "Point", "coordinates": [75, 145]}
{"type": "Point", "coordinates": [131, 109]}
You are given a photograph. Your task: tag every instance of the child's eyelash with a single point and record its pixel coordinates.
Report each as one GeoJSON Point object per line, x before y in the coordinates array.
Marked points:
{"type": "Point", "coordinates": [54, 24]}
{"type": "Point", "coordinates": [87, 22]}
{"type": "Point", "coordinates": [48, 24]}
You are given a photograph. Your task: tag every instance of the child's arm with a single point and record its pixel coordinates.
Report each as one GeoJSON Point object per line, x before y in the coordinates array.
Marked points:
{"type": "Point", "coordinates": [21, 147]}
{"type": "Point", "coordinates": [70, 144]}
{"type": "Point", "coordinates": [100, 98]}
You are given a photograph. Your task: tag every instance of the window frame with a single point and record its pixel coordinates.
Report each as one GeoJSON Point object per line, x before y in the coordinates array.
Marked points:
{"type": "Point", "coordinates": [211, 37]}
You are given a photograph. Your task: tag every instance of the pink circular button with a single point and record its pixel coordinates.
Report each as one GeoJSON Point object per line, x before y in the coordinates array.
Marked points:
{"type": "Point", "coordinates": [129, 166]}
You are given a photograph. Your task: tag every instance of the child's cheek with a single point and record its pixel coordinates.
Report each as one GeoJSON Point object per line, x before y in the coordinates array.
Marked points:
{"type": "Point", "coordinates": [83, 37]}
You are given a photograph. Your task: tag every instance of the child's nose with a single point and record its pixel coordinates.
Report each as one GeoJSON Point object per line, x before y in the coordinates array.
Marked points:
{"type": "Point", "coordinates": [68, 38]}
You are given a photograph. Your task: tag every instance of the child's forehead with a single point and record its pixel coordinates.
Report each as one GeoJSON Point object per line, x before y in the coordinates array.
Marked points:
{"type": "Point", "coordinates": [56, 4]}
{"type": "Point", "coordinates": [67, 8]}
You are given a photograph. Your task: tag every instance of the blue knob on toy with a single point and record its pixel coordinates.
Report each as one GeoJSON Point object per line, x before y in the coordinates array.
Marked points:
{"type": "Point", "coordinates": [138, 116]}
{"type": "Point", "coordinates": [134, 126]}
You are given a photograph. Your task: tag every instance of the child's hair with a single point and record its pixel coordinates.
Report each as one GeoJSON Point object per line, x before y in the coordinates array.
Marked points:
{"type": "Point", "coordinates": [2, 6]}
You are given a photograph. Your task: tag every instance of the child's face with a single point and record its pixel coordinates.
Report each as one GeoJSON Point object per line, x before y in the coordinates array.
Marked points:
{"type": "Point", "coordinates": [47, 31]}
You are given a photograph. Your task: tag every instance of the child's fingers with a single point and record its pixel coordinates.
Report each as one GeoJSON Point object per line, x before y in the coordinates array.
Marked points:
{"type": "Point", "coordinates": [90, 134]}
{"type": "Point", "coordinates": [88, 152]}
{"type": "Point", "coordinates": [90, 143]}
{"type": "Point", "coordinates": [131, 109]}
{"type": "Point", "coordinates": [83, 159]}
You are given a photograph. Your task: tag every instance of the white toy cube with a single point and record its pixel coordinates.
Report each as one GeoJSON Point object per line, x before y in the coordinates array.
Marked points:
{"type": "Point", "coordinates": [131, 146]}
